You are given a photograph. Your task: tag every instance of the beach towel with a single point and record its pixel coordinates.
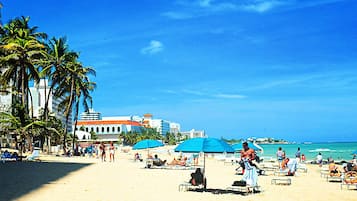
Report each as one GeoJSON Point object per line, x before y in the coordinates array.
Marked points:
{"type": "Point", "coordinates": [250, 175]}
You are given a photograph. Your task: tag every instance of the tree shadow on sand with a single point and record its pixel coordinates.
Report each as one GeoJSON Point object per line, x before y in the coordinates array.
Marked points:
{"type": "Point", "coordinates": [20, 178]}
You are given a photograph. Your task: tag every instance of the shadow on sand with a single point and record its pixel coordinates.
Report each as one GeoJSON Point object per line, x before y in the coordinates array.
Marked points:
{"type": "Point", "coordinates": [20, 178]}
{"type": "Point", "coordinates": [222, 191]}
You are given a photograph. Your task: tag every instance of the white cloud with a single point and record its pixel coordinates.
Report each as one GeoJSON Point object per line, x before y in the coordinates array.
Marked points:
{"type": "Point", "coordinates": [153, 48]}
{"type": "Point", "coordinates": [261, 6]}
{"type": "Point", "coordinates": [230, 96]}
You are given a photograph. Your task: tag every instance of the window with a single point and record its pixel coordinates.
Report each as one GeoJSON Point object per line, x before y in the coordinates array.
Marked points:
{"type": "Point", "coordinates": [86, 129]}
{"type": "Point", "coordinates": [97, 130]}
{"type": "Point", "coordinates": [118, 129]}
{"type": "Point", "coordinates": [107, 129]}
{"type": "Point", "coordinates": [113, 129]}
{"type": "Point", "coordinates": [91, 129]}
{"type": "Point", "coordinates": [102, 129]}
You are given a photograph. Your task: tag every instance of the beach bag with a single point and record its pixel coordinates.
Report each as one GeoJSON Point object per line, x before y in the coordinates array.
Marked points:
{"type": "Point", "coordinates": [239, 183]}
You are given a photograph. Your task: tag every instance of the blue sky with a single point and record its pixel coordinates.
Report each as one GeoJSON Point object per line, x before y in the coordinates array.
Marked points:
{"type": "Point", "coordinates": [235, 68]}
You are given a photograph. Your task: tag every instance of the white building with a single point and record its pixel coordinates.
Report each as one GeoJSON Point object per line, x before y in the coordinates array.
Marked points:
{"type": "Point", "coordinates": [39, 94]}
{"type": "Point", "coordinates": [90, 115]}
{"type": "Point", "coordinates": [160, 125]}
{"type": "Point", "coordinates": [175, 128]}
{"type": "Point", "coordinates": [108, 129]}
{"type": "Point", "coordinates": [193, 133]}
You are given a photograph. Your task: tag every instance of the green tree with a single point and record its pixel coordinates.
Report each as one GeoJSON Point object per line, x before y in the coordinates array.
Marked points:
{"type": "Point", "coordinates": [23, 51]}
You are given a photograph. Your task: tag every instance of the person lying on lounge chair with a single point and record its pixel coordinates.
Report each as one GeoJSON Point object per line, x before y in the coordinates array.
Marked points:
{"type": "Point", "coordinates": [157, 161]}
{"type": "Point", "coordinates": [333, 169]}
{"type": "Point", "coordinates": [181, 162]}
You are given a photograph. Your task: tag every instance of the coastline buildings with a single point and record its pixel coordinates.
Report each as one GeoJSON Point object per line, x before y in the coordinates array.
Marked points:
{"type": "Point", "coordinates": [109, 128]}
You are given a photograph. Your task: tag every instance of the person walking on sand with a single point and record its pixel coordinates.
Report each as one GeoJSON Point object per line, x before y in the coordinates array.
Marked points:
{"type": "Point", "coordinates": [111, 152]}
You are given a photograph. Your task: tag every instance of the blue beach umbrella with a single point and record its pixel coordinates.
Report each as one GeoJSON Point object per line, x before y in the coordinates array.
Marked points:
{"type": "Point", "coordinates": [205, 145]}
{"type": "Point", "coordinates": [145, 144]}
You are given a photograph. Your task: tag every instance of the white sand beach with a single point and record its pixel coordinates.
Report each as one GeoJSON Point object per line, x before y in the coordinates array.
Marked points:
{"type": "Point", "coordinates": [81, 178]}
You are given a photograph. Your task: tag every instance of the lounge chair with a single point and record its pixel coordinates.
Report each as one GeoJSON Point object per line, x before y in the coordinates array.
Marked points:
{"type": "Point", "coordinates": [35, 156]}
{"type": "Point", "coordinates": [7, 156]}
{"type": "Point", "coordinates": [281, 181]}
{"type": "Point", "coordinates": [302, 167]}
{"type": "Point", "coordinates": [349, 179]}
{"type": "Point", "coordinates": [250, 176]}
{"type": "Point", "coordinates": [188, 186]}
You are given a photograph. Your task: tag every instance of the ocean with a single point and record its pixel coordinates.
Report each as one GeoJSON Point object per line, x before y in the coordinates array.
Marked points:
{"type": "Point", "coordinates": [338, 151]}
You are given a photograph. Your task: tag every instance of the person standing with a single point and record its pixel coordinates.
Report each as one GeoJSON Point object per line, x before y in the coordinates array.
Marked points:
{"type": "Point", "coordinates": [111, 152]}
{"type": "Point", "coordinates": [102, 150]}
{"type": "Point", "coordinates": [248, 154]}
{"type": "Point", "coordinates": [319, 159]}
{"type": "Point", "coordinates": [298, 155]}
{"type": "Point", "coordinates": [279, 155]}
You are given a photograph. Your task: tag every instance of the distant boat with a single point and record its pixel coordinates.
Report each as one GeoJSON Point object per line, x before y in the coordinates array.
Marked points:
{"type": "Point", "coordinates": [307, 142]}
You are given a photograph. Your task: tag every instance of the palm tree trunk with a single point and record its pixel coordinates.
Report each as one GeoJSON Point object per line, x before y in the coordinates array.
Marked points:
{"type": "Point", "coordinates": [75, 123]}
{"type": "Point", "coordinates": [67, 112]}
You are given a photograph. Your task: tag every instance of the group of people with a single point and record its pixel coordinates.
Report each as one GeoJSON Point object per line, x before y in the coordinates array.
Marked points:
{"type": "Point", "coordinates": [103, 152]}
{"type": "Point", "coordinates": [335, 171]}
{"type": "Point", "coordinates": [180, 161]}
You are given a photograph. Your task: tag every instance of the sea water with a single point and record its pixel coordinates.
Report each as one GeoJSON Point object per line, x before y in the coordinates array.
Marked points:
{"type": "Point", "coordinates": [338, 151]}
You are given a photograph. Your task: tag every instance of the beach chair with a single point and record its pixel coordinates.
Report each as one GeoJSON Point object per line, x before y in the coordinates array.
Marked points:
{"type": "Point", "coordinates": [336, 177]}
{"type": "Point", "coordinates": [35, 156]}
{"type": "Point", "coordinates": [349, 179]}
{"type": "Point", "coordinates": [7, 156]}
{"type": "Point", "coordinates": [250, 176]}
{"type": "Point", "coordinates": [281, 181]}
{"type": "Point", "coordinates": [302, 167]}
{"type": "Point", "coordinates": [186, 186]}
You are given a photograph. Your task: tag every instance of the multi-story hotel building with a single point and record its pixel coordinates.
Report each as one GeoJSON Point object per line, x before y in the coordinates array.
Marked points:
{"type": "Point", "coordinates": [39, 94]}
{"type": "Point", "coordinates": [90, 115]}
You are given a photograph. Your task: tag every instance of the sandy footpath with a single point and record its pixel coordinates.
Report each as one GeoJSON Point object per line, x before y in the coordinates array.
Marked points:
{"type": "Point", "coordinates": [78, 178]}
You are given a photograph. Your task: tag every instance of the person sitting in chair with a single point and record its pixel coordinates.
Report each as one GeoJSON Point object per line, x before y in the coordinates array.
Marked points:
{"type": "Point", "coordinates": [197, 178]}
{"type": "Point", "coordinates": [333, 169]}
{"type": "Point", "coordinates": [157, 161]}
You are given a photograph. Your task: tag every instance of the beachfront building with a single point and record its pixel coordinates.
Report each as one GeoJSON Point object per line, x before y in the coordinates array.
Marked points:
{"type": "Point", "coordinates": [109, 128]}
{"type": "Point", "coordinates": [39, 93]}
{"type": "Point", "coordinates": [175, 128]}
{"type": "Point", "coordinates": [193, 134]}
{"type": "Point", "coordinates": [160, 125]}
{"type": "Point", "coordinates": [90, 115]}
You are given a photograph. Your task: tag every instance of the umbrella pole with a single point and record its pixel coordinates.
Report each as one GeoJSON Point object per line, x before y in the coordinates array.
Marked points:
{"type": "Point", "coordinates": [204, 171]}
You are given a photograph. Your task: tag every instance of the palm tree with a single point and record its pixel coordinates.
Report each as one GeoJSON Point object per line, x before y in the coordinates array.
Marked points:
{"type": "Point", "coordinates": [74, 86]}
{"type": "Point", "coordinates": [23, 51]}
{"type": "Point", "coordinates": [58, 56]}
